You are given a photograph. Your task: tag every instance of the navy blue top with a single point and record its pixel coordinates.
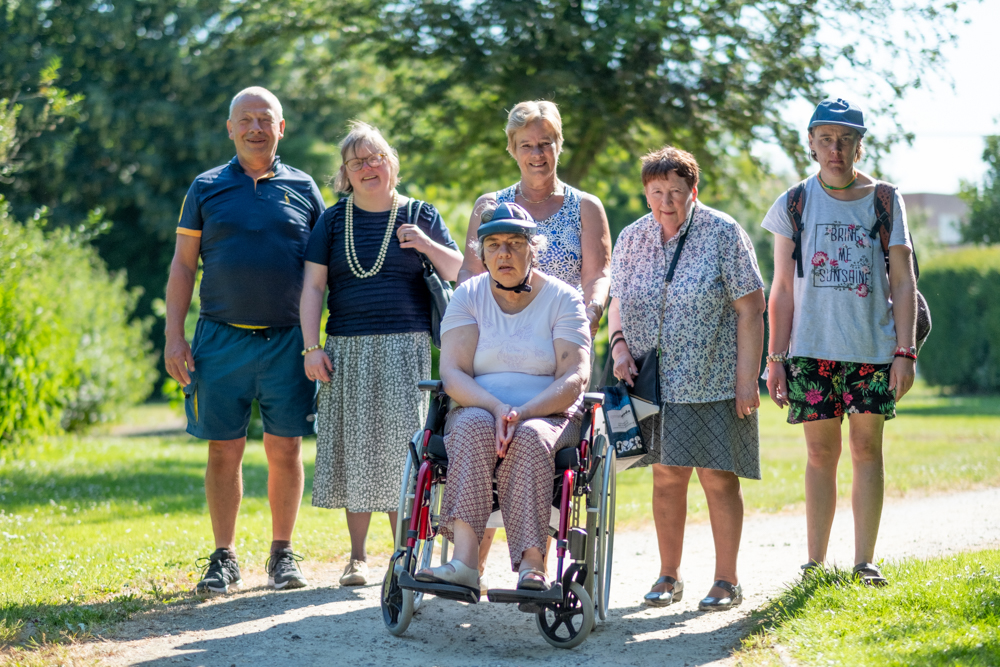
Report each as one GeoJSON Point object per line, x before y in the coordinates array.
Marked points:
{"type": "Point", "coordinates": [395, 300]}
{"type": "Point", "coordinates": [253, 241]}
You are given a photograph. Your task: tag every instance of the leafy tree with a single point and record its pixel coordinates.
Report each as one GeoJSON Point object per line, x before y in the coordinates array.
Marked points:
{"type": "Point", "coordinates": [703, 73]}
{"type": "Point", "coordinates": [68, 355]}
{"type": "Point", "coordinates": [153, 83]}
{"type": "Point", "coordinates": [983, 225]}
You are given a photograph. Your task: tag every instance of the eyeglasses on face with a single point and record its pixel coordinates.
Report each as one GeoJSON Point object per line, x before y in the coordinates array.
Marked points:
{"type": "Point", "coordinates": [374, 161]}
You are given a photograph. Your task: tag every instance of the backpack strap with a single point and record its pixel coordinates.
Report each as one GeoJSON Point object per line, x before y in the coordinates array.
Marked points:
{"type": "Point", "coordinates": [884, 198]}
{"type": "Point", "coordinates": [795, 200]}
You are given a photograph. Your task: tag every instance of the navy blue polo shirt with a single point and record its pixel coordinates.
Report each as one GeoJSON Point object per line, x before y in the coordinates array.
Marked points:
{"type": "Point", "coordinates": [253, 241]}
{"type": "Point", "coordinates": [395, 300]}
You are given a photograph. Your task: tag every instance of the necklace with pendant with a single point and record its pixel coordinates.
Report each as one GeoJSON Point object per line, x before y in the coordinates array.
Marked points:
{"type": "Point", "coordinates": [540, 201]}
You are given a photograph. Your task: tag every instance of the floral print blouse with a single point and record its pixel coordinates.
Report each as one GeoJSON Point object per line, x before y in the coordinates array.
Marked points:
{"type": "Point", "coordinates": [698, 330]}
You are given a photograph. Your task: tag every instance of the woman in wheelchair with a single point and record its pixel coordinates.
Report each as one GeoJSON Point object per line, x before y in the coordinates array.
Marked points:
{"type": "Point", "coordinates": [515, 359]}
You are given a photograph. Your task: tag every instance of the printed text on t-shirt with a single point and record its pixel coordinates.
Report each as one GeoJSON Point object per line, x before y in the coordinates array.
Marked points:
{"type": "Point", "coordinates": [842, 258]}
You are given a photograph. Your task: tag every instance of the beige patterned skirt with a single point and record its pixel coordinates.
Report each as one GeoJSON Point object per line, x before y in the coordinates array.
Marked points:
{"type": "Point", "coordinates": [367, 414]}
{"type": "Point", "coordinates": [524, 475]}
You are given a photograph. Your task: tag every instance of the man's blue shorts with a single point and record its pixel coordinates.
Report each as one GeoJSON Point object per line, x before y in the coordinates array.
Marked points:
{"type": "Point", "coordinates": [233, 366]}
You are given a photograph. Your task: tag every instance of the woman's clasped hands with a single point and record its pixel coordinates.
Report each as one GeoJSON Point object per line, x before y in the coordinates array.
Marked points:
{"type": "Point", "coordinates": [508, 418]}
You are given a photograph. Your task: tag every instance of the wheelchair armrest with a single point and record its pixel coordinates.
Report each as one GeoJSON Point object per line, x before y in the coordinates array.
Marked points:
{"type": "Point", "coordinates": [593, 398]}
{"type": "Point", "coordinates": [433, 386]}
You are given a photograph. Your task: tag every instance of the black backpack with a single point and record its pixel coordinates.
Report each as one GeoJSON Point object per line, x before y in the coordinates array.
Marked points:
{"type": "Point", "coordinates": [885, 194]}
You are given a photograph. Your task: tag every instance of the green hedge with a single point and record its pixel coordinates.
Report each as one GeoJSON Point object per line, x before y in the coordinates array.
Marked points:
{"type": "Point", "coordinates": [69, 356]}
{"type": "Point", "coordinates": [962, 288]}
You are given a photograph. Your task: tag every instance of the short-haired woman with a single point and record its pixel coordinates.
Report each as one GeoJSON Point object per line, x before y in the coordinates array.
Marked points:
{"type": "Point", "coordinates": [515, 357]}
{"type": "Point", "coordinates": [365, 248]}
{"type": "Point", "coordinates": [707, 321]}
{"type": "Point", "coordinates": [573, 222]}
{"type": "Point", "coordinates": [842, 331]}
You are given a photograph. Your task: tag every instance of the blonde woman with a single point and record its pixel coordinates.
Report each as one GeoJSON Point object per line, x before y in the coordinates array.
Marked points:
{"type": "Point", "coordinates": [573, 222]}
{"type": "Point", "coordinates": [365, 249]}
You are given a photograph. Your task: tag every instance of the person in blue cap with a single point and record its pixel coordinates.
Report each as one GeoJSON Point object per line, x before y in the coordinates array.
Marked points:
{"type": "Point", "coordinates": [515, 358]}
{"type": "Point", "coordinates": [842, 314]}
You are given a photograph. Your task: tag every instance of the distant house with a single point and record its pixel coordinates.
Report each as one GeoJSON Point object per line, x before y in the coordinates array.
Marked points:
{"type": "Point", "coordinates": [942, 214]}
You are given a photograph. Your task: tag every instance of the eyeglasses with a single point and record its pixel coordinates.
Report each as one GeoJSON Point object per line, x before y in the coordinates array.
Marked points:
{"type": "Point", "coordinates": [374, 161]}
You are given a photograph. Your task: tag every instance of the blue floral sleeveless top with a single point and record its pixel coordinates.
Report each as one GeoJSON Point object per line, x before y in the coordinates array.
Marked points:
{"type": "Point", "coordinates": [563, 258]}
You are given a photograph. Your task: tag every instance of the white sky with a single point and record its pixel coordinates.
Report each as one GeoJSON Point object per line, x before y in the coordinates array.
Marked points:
{"type": "Point", "coordinates": [949, 123]}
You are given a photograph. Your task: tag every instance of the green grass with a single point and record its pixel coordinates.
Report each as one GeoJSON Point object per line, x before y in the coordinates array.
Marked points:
{"type": "Point", "coordinates": [944, 611]}
{"type": "Point", "coordinates": [936, 443]}
{"type": "Point", "coordinates": [94, 528]}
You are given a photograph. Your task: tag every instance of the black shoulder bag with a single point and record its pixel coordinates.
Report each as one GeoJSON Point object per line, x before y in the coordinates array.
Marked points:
{"type": "Point", "coordinates": [439, 288]}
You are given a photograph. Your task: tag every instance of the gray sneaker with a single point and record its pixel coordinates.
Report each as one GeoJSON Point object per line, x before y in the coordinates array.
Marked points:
{"type": "Point", "coordinates": [283, 570]}
{"type": "Point", "coordinates": [219, 573]}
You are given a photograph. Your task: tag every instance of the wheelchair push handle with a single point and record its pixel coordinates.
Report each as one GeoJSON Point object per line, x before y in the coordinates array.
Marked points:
{"type": "Point", "coordinates": [433, 386]}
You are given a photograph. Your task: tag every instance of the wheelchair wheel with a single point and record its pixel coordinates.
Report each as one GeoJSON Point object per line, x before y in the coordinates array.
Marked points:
{"type": "Point", "coordinates": [397, 603]}
{"type": "Point", "coordinates": [605, 528]}
{"type": "Point", "coordinates": [568, 623]}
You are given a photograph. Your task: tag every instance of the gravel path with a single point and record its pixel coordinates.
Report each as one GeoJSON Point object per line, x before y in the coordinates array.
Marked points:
{"type": "Point", "coordinates": [329, 625]}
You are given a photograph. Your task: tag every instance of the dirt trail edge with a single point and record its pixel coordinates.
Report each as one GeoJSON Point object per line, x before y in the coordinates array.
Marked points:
{"type": "Point", "coordinates": [329, 625]}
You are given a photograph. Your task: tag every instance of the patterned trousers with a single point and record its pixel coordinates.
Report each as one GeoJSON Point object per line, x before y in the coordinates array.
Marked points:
{"type": "Point", "coordinates": [524, 475]}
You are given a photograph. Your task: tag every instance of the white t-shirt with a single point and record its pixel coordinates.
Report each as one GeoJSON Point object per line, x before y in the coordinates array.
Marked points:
{"type": "Point", "coordinates": [515, 357]}
{"type": "Point", "coordinates": [843, 309]}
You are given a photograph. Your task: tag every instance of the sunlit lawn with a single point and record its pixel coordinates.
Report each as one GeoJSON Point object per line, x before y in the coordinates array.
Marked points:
{"type": "Point", "coordinates": [936, 443]}
{"type": "Point", "coordinates": [94, 528]}
{"type": "Point", "coordinates": [942, 611]}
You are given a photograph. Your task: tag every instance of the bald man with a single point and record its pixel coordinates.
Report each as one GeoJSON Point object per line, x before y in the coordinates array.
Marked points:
{"type": "Point", "coordinates": [249, 222]}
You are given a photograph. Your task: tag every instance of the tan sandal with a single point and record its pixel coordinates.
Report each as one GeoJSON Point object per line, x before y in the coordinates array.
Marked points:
{"type": "Point", "coordinates": [459, 574]}
{"type": "Point", "coordinates": [532, 580]}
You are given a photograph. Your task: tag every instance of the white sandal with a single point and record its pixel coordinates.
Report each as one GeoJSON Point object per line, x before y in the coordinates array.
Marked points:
{"type": "Point", "coordinates": [459, 574]}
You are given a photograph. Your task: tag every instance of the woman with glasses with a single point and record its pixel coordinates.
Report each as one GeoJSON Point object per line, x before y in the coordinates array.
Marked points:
{"type": "Point", "coordinates": [367, 249]}
{"type": "Point", "coordinates": [573, 222]}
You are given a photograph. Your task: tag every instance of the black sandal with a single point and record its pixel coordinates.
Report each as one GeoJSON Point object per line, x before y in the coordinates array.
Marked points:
{"type": "Point", "coordinates": [869, 574]}
{"type": "Point", "coordinates": [666, 598]}
{"type": "Point", "coordinates": [734, 598]}
{"type": "Point", "coordinates": [810, 567]}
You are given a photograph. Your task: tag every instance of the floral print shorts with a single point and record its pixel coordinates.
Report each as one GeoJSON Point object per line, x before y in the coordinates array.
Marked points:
{"type": "Point", "coordinates": [824, 389]}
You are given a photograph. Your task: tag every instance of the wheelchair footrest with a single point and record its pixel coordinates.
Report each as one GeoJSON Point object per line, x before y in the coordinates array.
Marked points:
{"type": "Point", "coordinates": [445, 591]}
{"type": "Point", "coordinates": [520, 595]}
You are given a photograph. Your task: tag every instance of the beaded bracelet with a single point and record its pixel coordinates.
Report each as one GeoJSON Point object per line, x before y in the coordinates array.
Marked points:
{"type": "Point", "coordinates": [779, 358]}
{"type": "Point", "coordinates": [311, 348]}
{"type": "Point", "coordinates": [906, 355]}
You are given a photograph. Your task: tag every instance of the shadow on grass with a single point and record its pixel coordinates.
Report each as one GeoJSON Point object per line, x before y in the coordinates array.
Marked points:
{"type": "Point", "coordinates": [164, 485]}
{"type": "Point", "coordinates": [53, 622]}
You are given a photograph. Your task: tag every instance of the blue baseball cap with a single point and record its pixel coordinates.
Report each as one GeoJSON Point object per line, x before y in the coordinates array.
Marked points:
{"type": "Point", "coordinates": [506, 219]}
{"type": "Point", "coordinates": [839, 112]}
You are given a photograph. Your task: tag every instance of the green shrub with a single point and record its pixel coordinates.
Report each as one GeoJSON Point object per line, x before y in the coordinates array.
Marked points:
{"type": "Point", "coordinates": [963, 291]}
{"type": "Point", "coordinates": [69, 356]}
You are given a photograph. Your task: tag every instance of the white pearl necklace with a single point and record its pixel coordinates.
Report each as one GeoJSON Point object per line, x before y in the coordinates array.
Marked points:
{"type": "Point", "coordinates": [352, 255]}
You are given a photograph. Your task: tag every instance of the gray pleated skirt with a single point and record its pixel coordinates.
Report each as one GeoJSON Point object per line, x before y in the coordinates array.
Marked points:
{"type": "Point", "coordinates": [366, 416]}
{"type": "Point", "coordinates": [704, 435]}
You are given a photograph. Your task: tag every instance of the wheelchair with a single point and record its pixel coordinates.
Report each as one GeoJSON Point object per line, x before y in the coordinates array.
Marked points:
{"type": "Point", "coordinates": [583, 493]}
